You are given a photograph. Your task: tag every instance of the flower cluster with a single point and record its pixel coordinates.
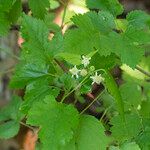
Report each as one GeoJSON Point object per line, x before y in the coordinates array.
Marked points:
{"type": "Point", "coordinates": [83, 72]}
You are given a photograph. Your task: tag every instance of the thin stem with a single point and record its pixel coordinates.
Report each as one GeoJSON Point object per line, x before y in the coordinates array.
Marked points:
{"type": "Point", "coordinates": [106, 110]}
{"type": "Point", "coordinates": [53, 75]}
{"type": "Point", "coordinates": [143, 71]}
{"type": "Point", "coordinates": [92, 102]}
{"type": "Point", "coordinates": [64, 14]}
{"type": "Point", "coordinates": [22, 123]}
{"type": "Point", "coordinates": [80, 84]}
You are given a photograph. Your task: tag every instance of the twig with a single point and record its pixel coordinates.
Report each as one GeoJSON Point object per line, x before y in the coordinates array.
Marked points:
{"type": "Point", "coordinates": [64, 14]}
{"type": "Point", "coordinates": [143, 71]}
{"type": "Point", "coordinates": [22, 123]}
{"type": "Point", "coordinates": [92, 102]}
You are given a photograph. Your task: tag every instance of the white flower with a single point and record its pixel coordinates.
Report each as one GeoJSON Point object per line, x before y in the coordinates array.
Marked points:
{"type": "Point", "coordinates": [97, 78]}
{"type": "Point", "coordinates": [85, 61]}
{"type": "Point", "coordinates": [74, 71]}
{"type": "Point", "coordinates": [83, 72]}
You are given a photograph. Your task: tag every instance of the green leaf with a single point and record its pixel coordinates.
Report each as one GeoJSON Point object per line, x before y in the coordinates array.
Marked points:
{"type": "Point", "coordinates": [128, 45]}
{"type": "Point", "coordinates": [26, 73]}
{"type": "Point", "coordinates": [122, 131]}
{"type": "Point", "coordinates": [130, 146]}
{"type": "Point", "coordinates": [145, 111]}
{"type": "Point", "coordinates": [37, 91]}
{"type": "Point", "coordinates": [39, 8]}
{"type": "Point", "coordinates": [137, 36]}
{"type": "Point", "coordinates": [15, 11]}
{"type": "Point", "coordinates": [10, 10]}
{"type": "Point", "coordinates": [138, 19]}
{"type": "Point", "coordinates": [49, 21]}
{"type": "Point", "coordinates": [143, 139]}
{"type": "Point", "coordinates": [126, 146]}
{"type": "Point", "coordinates": [89, 128]}
{"type": "Point", "coordinates": [125, 47]}
{"type": "Point", "coordinates": [4, 24]}
{"type": "Point", "coordinates": [71, 58]}
{"type": "Point", "coordinates": [57, 125]}
{"type": "Point", "coordinates": [9, 129]}
{"type": "Point", "coordinates": [107, 62]}
{"type": "Point", "coordinates": [129, 89]}
{"type": "Point", "coordinates": [35, 57]}
{"type": "Point", "coordinates": [36, 45]}
{"type": "Point", "coordinates": [112, 87]}
{"type": "Point", "coordinates": [80, 41]}
{"type": "Point", "coordinates": [56, 44]}
{"type": "Point", "coordinates": [113, 6]}
{"type": "Point", "coordinates": [11, 111]}
{"type": "Point", "coordinates": [5, 5]}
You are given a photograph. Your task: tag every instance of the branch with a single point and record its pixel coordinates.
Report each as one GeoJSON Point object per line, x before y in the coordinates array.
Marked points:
{"type": "Point", "coordinates": [143, 71]}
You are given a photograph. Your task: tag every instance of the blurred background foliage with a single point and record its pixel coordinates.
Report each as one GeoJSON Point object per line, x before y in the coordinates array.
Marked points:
{"type": "Point", "coordinates": [10, 48]}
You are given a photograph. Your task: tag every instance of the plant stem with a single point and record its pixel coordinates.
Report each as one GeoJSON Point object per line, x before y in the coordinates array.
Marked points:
{"type": "Point", "coordinates": [64, 14]}
{"type": "Point", "coordinates": [143, 71]}
{"type": "Point", "coordinates": [105, 113]}
{"type": "Point", "coordinates": [22, 123]}
{"type": "Point", "coordinates": [80, 84]}
{"type": "Point", "coordinates": [92, 102]}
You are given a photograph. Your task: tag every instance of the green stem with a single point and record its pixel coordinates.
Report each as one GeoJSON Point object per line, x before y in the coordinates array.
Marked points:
{"type": "Point", "coordinates": [105, 113]}
{"type": "Point", "coordinates": [64, 14]}
{"type": "Point", "coordinates": [92, 102]}
{"type": "Point", "coordinates": [143, 71]}
{"type": "Point", "coordinates": [80, 84]}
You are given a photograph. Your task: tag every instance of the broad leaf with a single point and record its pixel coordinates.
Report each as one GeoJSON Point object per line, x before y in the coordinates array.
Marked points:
{"type": "Point", "coordinates": [122, 131]}
{"type": "Point", "coordinates": [57, 121]}
{"type": "Point", "coordinates": [112, 6]}
{"type": "Point", "coordinates": [9, 129]}
{"type": "Point", "coordinates": [39, 8]}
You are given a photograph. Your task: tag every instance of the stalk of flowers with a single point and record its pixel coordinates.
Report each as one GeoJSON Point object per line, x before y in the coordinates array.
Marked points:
{"type": "Point", "coordinates": [96, 78]}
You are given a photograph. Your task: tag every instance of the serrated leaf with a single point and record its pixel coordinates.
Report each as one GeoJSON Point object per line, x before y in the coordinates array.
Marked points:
{"type": "Point", "coordinates": [11, 111]}
{"type": "Point", "coordinates": [129, 89]}
{"type": "Point", "coordinates": [143, 139]}
{"type": "Point", "coordinates": [128, 45]}
{"type": "Point", "coordinates": [35, 57]}
{"type": "Point", "coordinates": [57, 125]}
{"type": "Point", "coordinates": [90, 25]}
{"type": "Point", "coordinates": [130, 146]}
{"type": "Point", "coordinates": [137, 36]}
{"type": "Point", "coordinates": [39, 8]}
{"type": "Point", "coordinates": [89, 128]}
{"type": "Point", "coordinates": [9, 129]}
{"type": "Point", "coordinates": [26, 73]}
{"type": "Point", "coordinates": [36, 45]}
{"type": "Point", "coordinates": [37, 91]}
{"type": "Point", "coordinates": [112, 6]}
{"type": "Point", "coordinates": [8, 15]}
{"type": "Point", "coordinates": [71, 58]}
{"type": "Point", "coordinates": [5, 5]}
{"type": "Point", "coordinates": [15, 11]}
{"type": "Point", "coordinates": [129, 129]}
{"type": "Point", "coordinates": [145, 111]}
{"type": "Point", "coordinates": [106, 62]}
{"type": "Point", "coordinates": [56, 44]}
{"type": "Point", "coordinates": [138, 19]}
